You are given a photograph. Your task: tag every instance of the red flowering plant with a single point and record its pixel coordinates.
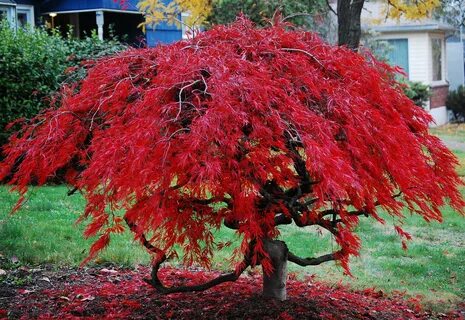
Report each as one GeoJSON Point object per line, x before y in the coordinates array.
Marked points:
{"type": "Point", "coordinates": [242, 127]}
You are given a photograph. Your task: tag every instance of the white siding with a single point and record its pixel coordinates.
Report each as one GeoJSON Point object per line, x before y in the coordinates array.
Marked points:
{"type": "Point", "coordinates": [419, 54]}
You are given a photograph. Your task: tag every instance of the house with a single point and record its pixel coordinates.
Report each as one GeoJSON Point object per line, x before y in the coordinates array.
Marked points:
{"type": "Point", "coordinates": [419, 47]}
{"type": "Point", "coordinates": [87, 15]}
{"type": "Point", "coordinates": [455, 60]}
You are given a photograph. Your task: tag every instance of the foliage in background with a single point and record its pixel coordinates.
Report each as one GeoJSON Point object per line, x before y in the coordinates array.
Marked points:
{"type": "Point", "coordinates": [32, 65]}
{"type": "Point", "coordinates": [156, 11]}
{"type": "Point", "coordinates": [456, 103]}
{"type": "Point", "coordinates": [90, 48]}
{"type": "Point", "coordinates": [452, 12]}
{"type": "Point", "coordinates": [301, 12]}
{"type": "Point", "coordinates": [411, 10]}
{"type": "Point", "coordinates": [418, 92]}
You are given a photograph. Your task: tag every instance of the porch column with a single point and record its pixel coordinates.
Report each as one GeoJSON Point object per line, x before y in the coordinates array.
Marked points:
{"type": "Point", "coordinates": [99, 17]}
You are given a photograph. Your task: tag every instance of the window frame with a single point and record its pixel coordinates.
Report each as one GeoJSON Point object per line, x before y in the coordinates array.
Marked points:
{"type": "Point", "coordinates": [442, 65]}
{"type": "Point", "coordinates": [29, 11]}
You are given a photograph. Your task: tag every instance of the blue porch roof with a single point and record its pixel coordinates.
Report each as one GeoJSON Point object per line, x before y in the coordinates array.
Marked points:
{"type": "Point", "coordinates": [84, 5]}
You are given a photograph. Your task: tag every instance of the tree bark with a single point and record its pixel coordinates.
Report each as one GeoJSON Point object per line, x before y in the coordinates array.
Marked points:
{"type": "Point", "coordinates": [349, 22]}
{"type": "Point", "coordinates": [274, 284]}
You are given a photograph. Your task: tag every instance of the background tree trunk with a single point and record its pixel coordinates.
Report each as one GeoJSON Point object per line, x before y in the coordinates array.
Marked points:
{"type": "Point", "coordinates": [349, 22]}
{"type": "Point", "coordinates": [274, 284]}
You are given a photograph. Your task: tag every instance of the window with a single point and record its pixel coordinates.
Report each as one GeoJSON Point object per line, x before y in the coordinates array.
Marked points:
{"type": "Point", "coordinates": [436, 47]}
{"type": "Point", "coordinates": [18, 16]}
{"type": "Point", "coordinates": [25, 16]}
{"type": "Point", "coordinates": [398, 55]}
{"type": "Point", "coordinates": [3, 13]}
{"type": "Point", "coordinates": [22, 19]}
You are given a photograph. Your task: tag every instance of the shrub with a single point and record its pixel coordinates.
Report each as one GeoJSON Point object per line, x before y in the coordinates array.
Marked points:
{"type": "Point", "coordinates": [32, 65]}
{"type": "Point", "coordinates": [456, 103]}
{"type": "Point", "coordinates": [418, 92]}
{"type": "Point", "coordinates": [89, 48]}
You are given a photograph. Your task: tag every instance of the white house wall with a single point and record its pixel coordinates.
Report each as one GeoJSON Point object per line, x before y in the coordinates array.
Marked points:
{"type": "Point", "coordinates": [419, 52]}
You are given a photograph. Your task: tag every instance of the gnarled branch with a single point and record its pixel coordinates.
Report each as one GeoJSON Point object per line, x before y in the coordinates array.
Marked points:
{"type": "Point", "coordinates": [158, 285]}
{"type": "Point", "coordinates": [311, 261]}
{"type": "Point", "coordinates": [229, 277]}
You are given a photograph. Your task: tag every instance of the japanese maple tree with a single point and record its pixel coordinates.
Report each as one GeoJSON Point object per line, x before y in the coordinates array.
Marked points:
{"type": "Point", "coordinates": [239, 127]}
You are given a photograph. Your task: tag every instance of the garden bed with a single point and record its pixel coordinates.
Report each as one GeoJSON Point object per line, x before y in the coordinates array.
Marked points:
{"type": "Point", "coordinates": [109, 293]}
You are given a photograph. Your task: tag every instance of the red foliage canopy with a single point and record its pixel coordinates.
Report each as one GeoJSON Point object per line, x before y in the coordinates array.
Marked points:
{"type": "Point", "coordinates": [243, 126]}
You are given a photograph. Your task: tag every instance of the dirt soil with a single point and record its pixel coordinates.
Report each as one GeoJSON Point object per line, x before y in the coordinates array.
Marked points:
{"type": "Point", "coordinates": [110, 293]}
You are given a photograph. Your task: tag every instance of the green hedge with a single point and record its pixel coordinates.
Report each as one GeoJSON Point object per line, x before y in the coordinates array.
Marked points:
{"type": "Point", "coordinates": [456, 103]}
{"type": "Point", "coordinates": [418, 92]}
{"type": "Point", "coordinates": [32, 65]}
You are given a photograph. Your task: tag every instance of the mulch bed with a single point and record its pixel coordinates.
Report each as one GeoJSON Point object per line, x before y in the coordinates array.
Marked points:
{"type": "Point", "coordinates": [109, 293]}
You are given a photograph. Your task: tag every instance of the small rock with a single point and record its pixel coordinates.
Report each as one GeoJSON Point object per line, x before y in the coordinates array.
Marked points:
{"type": "Point", "coordinates": [25, 291]}
{"type": "Point", "coordinates": [2, 272]}
{"type": "Point", "coordinates": [44, 279]}
{"type": "Point", "coordinates": [105, 270]}
{"type": "Point", "coordinates": [88, 298]}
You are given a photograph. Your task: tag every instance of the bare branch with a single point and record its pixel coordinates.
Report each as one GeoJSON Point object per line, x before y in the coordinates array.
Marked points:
{"type": "Point", "coordinates": [281, 218]}
{"type": "Point", "coordinates": [295, 15]}
{"type": "Point", "coordinates": [231, 224]}
{"type": "Point", "coordinates": [229, 277]}
{"type": "Point", "coordinates": [331, 8]}
{"type": "Point", "coordinates": [158, 285]}
{"type": "Point", "coordinates": [72, 191]}
{"type": "Point", "coordinates": [310, 261]}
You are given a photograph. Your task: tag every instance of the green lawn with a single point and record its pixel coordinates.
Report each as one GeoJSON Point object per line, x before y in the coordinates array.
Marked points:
{"type": "Point", "coordinates": [450, 131]}
{"type": "Point", "coordinates": [43, 231]}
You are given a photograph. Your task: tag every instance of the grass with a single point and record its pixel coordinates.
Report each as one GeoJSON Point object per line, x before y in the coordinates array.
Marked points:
{"type": "Point", "coordinates": [455, 131]}
{"type": "Point", "coordinates": [43, 232]}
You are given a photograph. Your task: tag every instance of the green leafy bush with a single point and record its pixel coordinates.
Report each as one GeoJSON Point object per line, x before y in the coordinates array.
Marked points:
{"type": "Point", "coordinates": [89, 48]}
{"type": "Point", "coordinates": [32, 68]}
{"type": "Point", "coordinates": [31, 64]}
{"type": "Point", "coordinates": [418, 92]}
{"type": "Point", "coordinates": [456, 103]}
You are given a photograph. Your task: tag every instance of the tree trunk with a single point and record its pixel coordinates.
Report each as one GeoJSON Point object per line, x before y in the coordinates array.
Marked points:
{"type": "Point", "coordinates": [274, 284]}
{"type": "Point", "coordinates": [349, 22]}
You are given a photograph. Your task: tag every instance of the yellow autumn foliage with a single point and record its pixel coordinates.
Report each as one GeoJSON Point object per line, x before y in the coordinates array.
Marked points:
{"type": "Point", "coordinates": [195, 12]}
{"type": "Point", "coordinates": [411, 10]}
{"type": "Point", "coordinates": [156, 11]}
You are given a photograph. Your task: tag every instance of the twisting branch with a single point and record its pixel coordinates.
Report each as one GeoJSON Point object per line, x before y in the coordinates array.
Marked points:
{"type": "Point", "coordinates": [295, 15]}
{"type": "Point", "coordinates": [281, 218]}
{"type": "Point", "coordinates": [365, 213]}
{"type": "Point", "coordinates": [311, 261]}
{"type": "Point", "coordinates": [143, 240]}
{"type": "Point", "coordinates": [161, 257]}
{"type": "Point", "coordinates": [231, 224]}
{"type": "Point", "coordinates": [331, 8]}
{"type": "Point", "coordinates": [229, 277]}
{"type": "Point", "coordinates": [72, 191]}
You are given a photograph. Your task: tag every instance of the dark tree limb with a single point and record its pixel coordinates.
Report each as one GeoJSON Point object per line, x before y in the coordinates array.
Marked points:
{"type": "Point", "coordinates": [281, 218]}
{"type": "Point", "coordinates": [161, 257]}
{"type": "Point", "coordinates": [143, 240]}
{"type": "Point", "coordinates": [330, 8]}
{"type": "Point", "coordinates": [229, 277]}
{"type": "Point", "coordinates": [349, 22]}
{"type": "Point", "coordinates": [310, 261]}
{"type": "Point", "coordinates": [72, 191]}
{"type": "Point", "coordinates": [231, 224]}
